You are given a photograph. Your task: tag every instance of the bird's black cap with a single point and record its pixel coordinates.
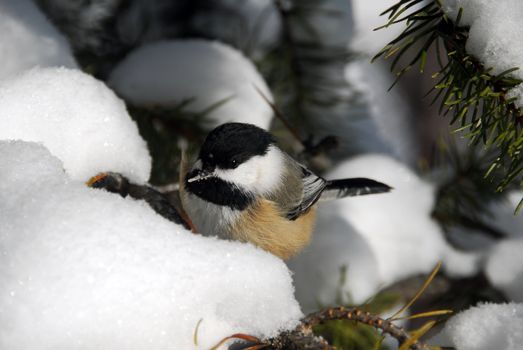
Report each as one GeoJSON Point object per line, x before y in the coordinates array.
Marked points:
{"type": "Point", "coordinates": [231, 144]}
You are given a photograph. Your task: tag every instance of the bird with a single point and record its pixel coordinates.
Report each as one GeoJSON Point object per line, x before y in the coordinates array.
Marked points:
{"type": "Point", "coordinates": [244, 187]}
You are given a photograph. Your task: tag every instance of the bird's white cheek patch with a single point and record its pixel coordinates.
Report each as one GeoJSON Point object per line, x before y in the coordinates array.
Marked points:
{"type": "Point", "coordinates": [259, 174]}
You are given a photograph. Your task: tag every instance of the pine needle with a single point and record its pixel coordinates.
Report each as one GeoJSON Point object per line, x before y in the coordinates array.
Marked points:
{"type": "Point", "coordinates": [246, 337]}
{"type": "Point", "coordinates": [195, 335]}
{"type": "Point", "coordinates": [416, 335]}
{"type": "Point", "coordinates": [518, 208]}
{"type": "Point", "coordinates": [425, 314]}
{"type": "Point", "coordinates": [377, 346]}
{"type": "Point", "coordinates": [418, 293]}
{"type": "Point", "coordinates": [280, 116]}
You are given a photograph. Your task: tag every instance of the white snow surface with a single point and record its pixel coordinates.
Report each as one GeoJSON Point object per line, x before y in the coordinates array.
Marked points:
{"type": "Point", "coordinates": [504, 265]}
{"type": "Point", "coordinates": [495, 33]}
{"type": "Point", "coordinates": [366, 18]}
{"type": "Point", "coordinates": [338, 267]}
{"type": "Point", "coordinates": [388, 110]}
{"type": "Point", "coordinates": [28, 39]}
{"type": "Point", "coordinates": [168, 72]}
{"type": "Point", "coordinates": [486, 327]}
{"type": "Point", "coordinates": [377, 120]}
{"type": "Point", "coordinates": [503, 260]}
{"type": "Point", "coordinates": [379, 239]}
{"type": "Point", "coordinates": [83, 269]}
{"type": "Point", "coordinates": [504, 268]}
{"type": "Point", "coordinates": [77, 118]}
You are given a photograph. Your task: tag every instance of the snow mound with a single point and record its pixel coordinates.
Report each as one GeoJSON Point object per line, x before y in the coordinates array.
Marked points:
{"type": "Point", "coordinates": [85, 269]}
{"type": "Point", "coordinates": [169, 72]}
{"type": "Point", "coordinates": [376, 237]}
{"type": "Point", "coordinates": [495, 33]}
{"type": "Point", "coordinates": [487, 327]}
{"type": "Point", "coordinates": [28, 39]}
{"type": "Point", "coordinates": [77, 118]}
{"type": "Point", "coordinates": [338, 267]}
{"type": "Point", "coordinates": [397, 225]}
{"type": "Point", "coordinates": [504, 268]}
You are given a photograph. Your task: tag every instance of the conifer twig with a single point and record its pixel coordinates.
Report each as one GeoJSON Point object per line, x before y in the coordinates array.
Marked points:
{"type": "Point", "coordinates": [354, 314]}
{"type": "Point", "coordinates": [475, 98]}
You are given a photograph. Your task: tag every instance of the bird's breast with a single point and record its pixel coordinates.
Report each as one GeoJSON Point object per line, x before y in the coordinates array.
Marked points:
{"type": "Point", "coordinates": [264, 225]}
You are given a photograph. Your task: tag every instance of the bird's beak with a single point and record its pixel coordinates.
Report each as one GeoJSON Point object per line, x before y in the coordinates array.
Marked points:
{"type": "Point", "coordinates": [199, 175]}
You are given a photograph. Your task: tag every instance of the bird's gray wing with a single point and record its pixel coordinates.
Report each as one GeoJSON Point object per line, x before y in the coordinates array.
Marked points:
{"type": "Point", "coordinates": [357, 186]}
{"type": "Point", "coordinates": [313, 187]}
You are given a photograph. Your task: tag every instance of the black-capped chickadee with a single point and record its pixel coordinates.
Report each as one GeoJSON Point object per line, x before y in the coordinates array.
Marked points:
{"type": "Point", "coordinates": [244, 187]}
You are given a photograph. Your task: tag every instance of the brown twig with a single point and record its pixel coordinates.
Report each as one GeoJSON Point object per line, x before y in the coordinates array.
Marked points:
{"type": "Point", "coordinates": [357, 315]}
{"type": "Point", "coordinates": [303, 338]}
{"type": "Point", "coordinates": [281, 117]}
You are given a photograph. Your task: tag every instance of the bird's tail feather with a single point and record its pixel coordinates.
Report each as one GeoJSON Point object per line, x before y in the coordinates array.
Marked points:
{"type": "Point", "coordinates": [357, 186]}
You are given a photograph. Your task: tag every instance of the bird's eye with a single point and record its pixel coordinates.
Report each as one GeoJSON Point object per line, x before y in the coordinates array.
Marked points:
{"type": "Point", "coordinates": [234, 163]}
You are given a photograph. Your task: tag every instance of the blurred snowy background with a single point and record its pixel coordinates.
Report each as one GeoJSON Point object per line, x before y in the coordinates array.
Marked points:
{"type": "Point", "coordinates": [114, 85]}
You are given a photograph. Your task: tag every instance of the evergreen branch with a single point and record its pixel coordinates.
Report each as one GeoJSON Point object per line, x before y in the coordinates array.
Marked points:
{"type": "Point", "coordinates": [302, 337]}
{"type": "Point", "coordinates": [472, 96]}
{"type": "Point", "coordinates": [355, 314]}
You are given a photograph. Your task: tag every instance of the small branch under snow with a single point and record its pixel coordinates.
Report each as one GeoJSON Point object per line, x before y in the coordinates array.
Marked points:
{"type": "Point", "coordinates": [302, 337]}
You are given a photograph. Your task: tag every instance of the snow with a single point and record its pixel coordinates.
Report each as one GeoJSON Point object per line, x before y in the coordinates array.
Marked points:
{"type": "Point", "coordinates": [78, 118]}
{"type": "Point", "coordinates": [338, 267]}
{"type": "Point", "coordinates": [504, 268]}
{"type": "Point", "coordinates": [28, 39]}
{"type": "Point", "coordinates": [366, 18]}
{"type": "Point", "coordinates": [85, 269]}
{"type": "Point", "coordinates": [376, 237]}
{"type": "Point", "coordinates": [388, 111]}
{"type": "Point", "coordinates": [373, 120]}
{"type": "Point", "coordinates": [169, 72]}
{"type": "Point", "coordinates": [495, 33]}
{"type": "Point", "coordinates": [517, 94]}
{"type": "Point", "coordinates": [351, 119]}
{"type": "Point", "coordinates": [504, 265]}
{"type": "Point", "coordinates": [486, 327]}
{"type": "Point", "coordinates": [397, 225]}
